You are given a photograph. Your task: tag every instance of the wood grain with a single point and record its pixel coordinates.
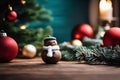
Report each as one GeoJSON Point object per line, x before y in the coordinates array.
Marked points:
{"type": "Point", "coordinates": [36, 69]}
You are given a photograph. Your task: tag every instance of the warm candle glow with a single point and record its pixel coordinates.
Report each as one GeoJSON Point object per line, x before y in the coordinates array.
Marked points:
{"type": "Point", "coordinates": [105, 10]}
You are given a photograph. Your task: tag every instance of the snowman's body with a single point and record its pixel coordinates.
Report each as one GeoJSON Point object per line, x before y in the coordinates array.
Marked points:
{"type": "Point", "coordinates": [51, 53]}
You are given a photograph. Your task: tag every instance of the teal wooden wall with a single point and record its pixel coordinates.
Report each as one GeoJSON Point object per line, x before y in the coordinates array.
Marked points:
{"type": "Point", "coordinates": [66, 14]}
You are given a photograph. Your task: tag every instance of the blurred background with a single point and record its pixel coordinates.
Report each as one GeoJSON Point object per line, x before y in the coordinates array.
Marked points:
{"type": "Point", "coordinates": [66, 15]}
{"type": "Point", "coordinates": [40, 18]}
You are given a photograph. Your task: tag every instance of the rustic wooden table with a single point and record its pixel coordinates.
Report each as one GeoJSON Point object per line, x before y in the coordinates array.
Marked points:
{"type": "Point", "coordinates": [36, 69]}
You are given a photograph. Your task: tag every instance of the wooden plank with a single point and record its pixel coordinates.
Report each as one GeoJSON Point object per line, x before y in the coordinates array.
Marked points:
{"type": "Point", "coordinates": [36, 69]}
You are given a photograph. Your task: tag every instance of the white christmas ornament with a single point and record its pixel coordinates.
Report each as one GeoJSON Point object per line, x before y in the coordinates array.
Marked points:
{"type": "Point", "coordinates": [29, 51]}
{"type": "Point", "coordinates": [76, 42]}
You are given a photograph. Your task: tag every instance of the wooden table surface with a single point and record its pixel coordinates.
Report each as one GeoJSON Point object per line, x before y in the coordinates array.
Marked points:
{"type": "Point", "coordinates": [36, 69]}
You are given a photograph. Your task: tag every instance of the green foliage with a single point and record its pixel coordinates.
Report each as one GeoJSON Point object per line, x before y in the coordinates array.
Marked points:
{"type": "Point", "coordinates": [91, 42]}
{"type": "Point", "coordinates": [29, 12]}
{"type": "Point", "coordinates": [92, 54]}
{"type": "Point", "coordinates": [48, 31]}
{"type": "Point", "coordinates": [110, 55]}
{"type": "Point", "coordinates": [68, 53]}
{"type": "Point", "coordinates": [31, 36]}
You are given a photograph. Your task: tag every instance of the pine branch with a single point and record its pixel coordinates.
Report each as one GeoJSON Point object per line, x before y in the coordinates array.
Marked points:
{"type": "Point", "coordinates": [109, 55]}
{"type": "Point", "coordinates": [68, 53]}
{"type": "Point", "coordinates": [91, 42]}
{"type": "Point", "coordinates": [92, 54]}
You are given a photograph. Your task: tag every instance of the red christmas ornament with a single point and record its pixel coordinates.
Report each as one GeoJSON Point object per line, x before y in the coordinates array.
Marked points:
{"type": "Point", "coordinates": [112, 37]}
{"type": "Point", "coordinates": [80, 31]}
{"type": "Point", "coordinates": [8, 48]}
{"type": "Point", "coordinates": [86, 30]}
{"type": "Point", "coordinates": [12, 15]}
{"type": "Point", "coordinates": [78, 35]}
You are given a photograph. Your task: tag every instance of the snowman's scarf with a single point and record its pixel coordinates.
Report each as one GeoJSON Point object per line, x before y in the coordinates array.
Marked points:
{"type": "Point", "coordinates": [50, 48]}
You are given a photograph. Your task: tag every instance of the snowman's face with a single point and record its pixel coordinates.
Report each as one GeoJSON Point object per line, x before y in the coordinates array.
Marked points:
{"type": "Point", "coordinates": [51, 42]}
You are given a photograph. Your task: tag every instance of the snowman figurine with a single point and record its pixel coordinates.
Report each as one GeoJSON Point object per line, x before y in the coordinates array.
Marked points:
{"type": "Point", "coordinates": [51, 52]}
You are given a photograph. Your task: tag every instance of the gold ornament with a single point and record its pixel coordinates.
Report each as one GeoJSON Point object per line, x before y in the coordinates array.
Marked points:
{"type": "Point", "coordinates": [29, 51]}
{"type": "Point", "coordinates": [76, 42]}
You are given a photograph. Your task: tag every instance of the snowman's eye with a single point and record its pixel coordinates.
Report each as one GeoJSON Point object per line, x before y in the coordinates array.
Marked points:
{"type": "Point", "coordinates": [49, 43]}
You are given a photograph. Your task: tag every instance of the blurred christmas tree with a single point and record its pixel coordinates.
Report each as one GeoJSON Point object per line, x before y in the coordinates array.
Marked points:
{"type": "Point", "coordinates": [28, 11]}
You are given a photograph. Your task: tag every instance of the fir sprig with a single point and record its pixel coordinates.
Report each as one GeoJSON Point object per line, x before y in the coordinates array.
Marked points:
{"type": "Point", "coordinates": [109, 55]}
{"type": "Point", "coordinates": [68, 53]}
{"type": "Point", "coordinates": [92, 54]}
